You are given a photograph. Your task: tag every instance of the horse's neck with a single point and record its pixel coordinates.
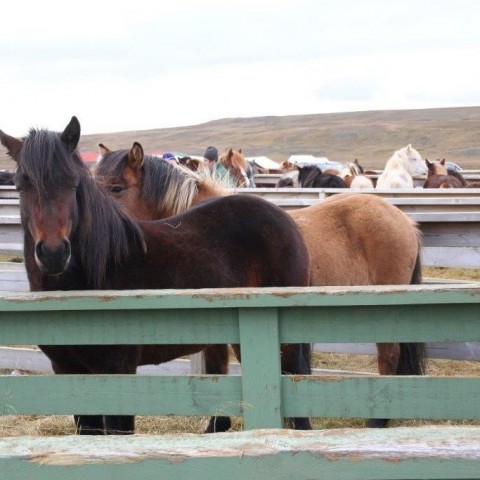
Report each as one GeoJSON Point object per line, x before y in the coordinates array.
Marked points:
{"type": "Point", "coordinates": [439, 169]}
{"type": "Point", "coordinates": [207, 190]}
{"type": "Point", "coordinates": [397, 162]}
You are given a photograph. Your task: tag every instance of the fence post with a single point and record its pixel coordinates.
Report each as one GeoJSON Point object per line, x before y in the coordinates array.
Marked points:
{"type": "Point", "coordinates": [261, 369]}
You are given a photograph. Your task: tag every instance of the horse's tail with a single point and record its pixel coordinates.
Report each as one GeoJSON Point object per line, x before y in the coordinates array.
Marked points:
{"type": "Point", "coordinates": [413, 355]}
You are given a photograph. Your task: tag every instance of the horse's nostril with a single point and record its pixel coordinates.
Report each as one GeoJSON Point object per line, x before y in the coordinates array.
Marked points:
{"type": "Point", "coordinates": [53, 259]}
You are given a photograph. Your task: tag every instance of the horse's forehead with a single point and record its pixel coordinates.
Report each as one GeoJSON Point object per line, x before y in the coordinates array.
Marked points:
{"type": "Point", "coordinates": [411, 153]}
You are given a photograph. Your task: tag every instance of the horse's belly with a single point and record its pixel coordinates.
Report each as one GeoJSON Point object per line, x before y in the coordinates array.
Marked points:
{"type": "Point", "coordinates": [155, 354]}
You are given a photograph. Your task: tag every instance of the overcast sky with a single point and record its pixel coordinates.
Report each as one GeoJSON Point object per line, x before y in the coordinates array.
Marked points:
{"type": "Point", "coordinates": [135, 65]}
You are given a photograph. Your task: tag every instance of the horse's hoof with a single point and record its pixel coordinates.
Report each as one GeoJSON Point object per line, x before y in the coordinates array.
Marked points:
{"type": "Point", "coordinates": [218, 424]}
{"type": "Point", "coordinates": [377, 423]}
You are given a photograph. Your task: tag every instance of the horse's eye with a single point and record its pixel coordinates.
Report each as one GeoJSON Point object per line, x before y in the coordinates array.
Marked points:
{"type": "Point", "coordinates": [116, 189]}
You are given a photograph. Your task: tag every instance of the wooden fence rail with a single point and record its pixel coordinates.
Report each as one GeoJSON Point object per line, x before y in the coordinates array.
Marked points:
{"type": "Point", "coordinates": [260, 320]}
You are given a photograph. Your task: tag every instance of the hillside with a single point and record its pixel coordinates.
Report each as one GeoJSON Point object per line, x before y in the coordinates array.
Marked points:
{"type": "Point", "coordinates": [451, 133]}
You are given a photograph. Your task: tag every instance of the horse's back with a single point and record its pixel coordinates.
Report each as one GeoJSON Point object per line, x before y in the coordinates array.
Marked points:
{"type": "Point", "coordinates": [361, 181]}
{"type": "Point", "coordinates": [358, 239]}
{"type": "Point", "coordinates": [237, 240]}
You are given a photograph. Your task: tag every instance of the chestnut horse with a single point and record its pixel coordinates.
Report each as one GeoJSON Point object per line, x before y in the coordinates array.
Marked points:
{"type": "Point", "coordinates": [239, 168]}
{"type": "Point", "coordinates": [76, 237]}
{"type": "Point", "coordinates": [439, 177]}
{"type": "Point", "coordinates": [352, 239]}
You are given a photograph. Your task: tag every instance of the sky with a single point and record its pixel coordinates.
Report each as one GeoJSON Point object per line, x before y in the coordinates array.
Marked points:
{"type": "Point", "coordinates": [136, 65]}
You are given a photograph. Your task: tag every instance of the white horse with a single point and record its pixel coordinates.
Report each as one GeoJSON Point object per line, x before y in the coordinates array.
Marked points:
{"type": "Point", "coordinates": [401, 167]}
{"type": "Point", "coordinates": [354, 176]}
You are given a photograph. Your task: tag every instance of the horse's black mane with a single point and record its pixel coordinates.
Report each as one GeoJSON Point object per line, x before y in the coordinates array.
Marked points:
{"type": "Point", "coordinates": [105, 235]}
{"type": "Point", "coordinates": [458, 175]}
{"type": "Point", "coordinates": [311, 176]}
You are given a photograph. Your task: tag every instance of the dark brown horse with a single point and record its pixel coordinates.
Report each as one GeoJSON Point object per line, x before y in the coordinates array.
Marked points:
{"type": "Point", "coordinates": [310, 176]}
{"type": "Point", "coordinates": [352, 239]}
{"type": "Point", "coordinates": [77, 238]}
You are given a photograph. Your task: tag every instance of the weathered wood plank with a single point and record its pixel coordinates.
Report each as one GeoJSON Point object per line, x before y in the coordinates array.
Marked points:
{"type": "Point", "coordinates": [456, 257]}
{"type": "Point", "coordinates": [120, 394]}
{"type": "Point", "coordinates": [424, 310]}
{"type": "Point", "coordinates": [421, 397]}
{"type": "Point", "coordinates": [347, 454]}
{"type": "Point", "coordinates": [424, 397]}
{"type": "Point", "coordinates": [261, 388]}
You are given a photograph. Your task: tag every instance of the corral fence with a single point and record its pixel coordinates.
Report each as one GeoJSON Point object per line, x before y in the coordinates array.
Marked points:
{"type": "Point", "coordinates": [259, 320]}
{"type": "Point", "coordinates": [271, 179]}
{"type": "Point", "coordinates": [448, 218]}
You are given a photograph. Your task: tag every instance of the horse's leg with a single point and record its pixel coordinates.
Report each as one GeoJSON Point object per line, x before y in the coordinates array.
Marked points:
{"type": "Point", "coordinates": [296, 360]}
{"type": "Point", "coordinates": [119, 424]}
{"type": "Point", "coordinates": [216, 362]}
{"type": "Point", "coordinates": [89, 424]}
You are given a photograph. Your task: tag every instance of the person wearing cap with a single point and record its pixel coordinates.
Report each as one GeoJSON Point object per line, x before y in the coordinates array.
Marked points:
{"type": "Point", "coordinates": [210, 157]}
{"type": "Point", "coordinates": [169, 157]}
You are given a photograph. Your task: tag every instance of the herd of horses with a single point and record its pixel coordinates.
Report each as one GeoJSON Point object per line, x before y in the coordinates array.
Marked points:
{"type": "Point", "coordinates": [139, 222]}
{"type": "Point", "coordinates": [399, 171]}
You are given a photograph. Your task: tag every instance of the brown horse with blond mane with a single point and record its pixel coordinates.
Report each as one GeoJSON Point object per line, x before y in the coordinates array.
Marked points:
{"type": "Point", "coordinates": [352, 239]}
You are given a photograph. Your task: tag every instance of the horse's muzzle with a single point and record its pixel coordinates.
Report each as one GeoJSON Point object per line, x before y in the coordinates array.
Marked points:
{"type": "Point", "coordinates": [53, 261]}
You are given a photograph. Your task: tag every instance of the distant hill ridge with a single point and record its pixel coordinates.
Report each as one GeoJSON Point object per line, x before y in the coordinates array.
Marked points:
{"type": "Point", "coordinates": [372, 136]}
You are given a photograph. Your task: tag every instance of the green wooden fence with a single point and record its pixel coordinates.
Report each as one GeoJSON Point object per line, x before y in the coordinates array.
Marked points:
{"type": "Point", "coordinates": [258, 319]}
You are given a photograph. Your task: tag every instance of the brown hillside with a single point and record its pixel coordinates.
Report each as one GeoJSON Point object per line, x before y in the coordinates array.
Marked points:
{"type": "Point", "coordinates": [451, 133]}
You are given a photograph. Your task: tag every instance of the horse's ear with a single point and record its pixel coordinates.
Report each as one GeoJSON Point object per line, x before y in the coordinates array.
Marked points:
{"type": "Point", "coordinates": [428, 162]}
{"type": "Point", "coordinates": [135, 156]}
{"type": "Point", "coordinates": [12, 144]}
{"type": "Point", "coordinates": [103, 149]}
{"type": "Point", "coordinates": [442, 162]}
{"type": "Point", "coordinates": [409, 148]}
{"type": "Point", "coordinates": [71, 135]}
{"type": "Point", "coordinates": [239, 150]}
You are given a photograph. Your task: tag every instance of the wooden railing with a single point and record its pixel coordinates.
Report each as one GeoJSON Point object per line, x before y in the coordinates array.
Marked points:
{"type": "Point", "coordinates": [448, 218]}
{"type": "Point", "coordinates": [260, 320]}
